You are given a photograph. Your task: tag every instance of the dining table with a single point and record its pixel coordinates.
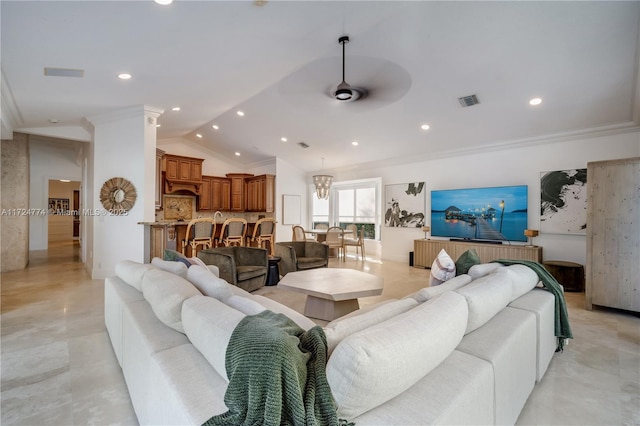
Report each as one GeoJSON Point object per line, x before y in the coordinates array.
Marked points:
{"type": "Point", "coordinates": [321, 234]}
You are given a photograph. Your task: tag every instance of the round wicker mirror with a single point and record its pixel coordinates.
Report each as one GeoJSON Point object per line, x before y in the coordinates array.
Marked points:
{"type": "Point", "coordinates": [118, 195]}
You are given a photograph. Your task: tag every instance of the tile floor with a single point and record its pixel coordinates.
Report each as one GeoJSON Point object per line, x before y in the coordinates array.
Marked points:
{"type": "Point", "coordinates": [58, 367]}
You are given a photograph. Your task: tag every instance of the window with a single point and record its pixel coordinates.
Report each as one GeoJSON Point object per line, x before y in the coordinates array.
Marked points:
{"type": "Point", "coordinates": [354, 202]}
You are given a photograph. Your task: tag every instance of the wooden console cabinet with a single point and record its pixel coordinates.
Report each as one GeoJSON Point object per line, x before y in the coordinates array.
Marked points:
{"type": "Point", "coordinates": [425, 251]}
{"type": "Point", "coordinates": [613, 234]}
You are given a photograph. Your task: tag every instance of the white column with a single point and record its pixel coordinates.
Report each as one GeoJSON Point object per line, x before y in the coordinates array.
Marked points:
{"type": "Point", "coordinates": [124, 146]}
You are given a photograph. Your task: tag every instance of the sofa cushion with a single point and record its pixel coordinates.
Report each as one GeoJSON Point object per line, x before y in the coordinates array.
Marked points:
{"type": "Point", "coordinates": [302, 321]}
{"type": "Point", "coordinates": [166, 292]}
{"type": "Point", "coordinates": [245, 305]}
{"type": "Point", "coordinates": [486, 296]}
{"type": "Point", "coordinates": [208, 283]}
{"type": "Point", "coordinates": [378, 363]}
{"type": "Point", "coordinates": [248, 272]}
{"type": "Point", "coordinates": [208, 324]}
{"type": "Point", "coordinates": [466, 261]}
{"type": "Point", "coordinates": [311, 262]}
{"type": "Point", "coordinates": [340, 328]}
{"type": "Point", "coordinates": [442, 269]}
{"type": "Point", "coordinates": [523, 280]}
{"type": "Point", "coordinates": [131, 272]}
{"type": "Point", "coordinates": [174, 267]}
{"type": "Point", "coordinates": [428, 293]}
{"type": "Point", "coordinates": [197, 261]}
{"type": "Point", "coordinates": [478, 271]}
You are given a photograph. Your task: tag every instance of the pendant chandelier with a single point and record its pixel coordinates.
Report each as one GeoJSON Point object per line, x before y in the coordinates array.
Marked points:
{"type": "Point", "coordinates": [322, 184]}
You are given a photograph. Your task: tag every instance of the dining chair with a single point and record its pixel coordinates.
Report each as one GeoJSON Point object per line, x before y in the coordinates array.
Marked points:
{"type": "Point", "coordinates": [265, 231]}
{"type": "Point", "coordinates": [334, 240]}
{"type": "Point", "coordinates": [233, 232]}
{"type": "Point", "coordinates": [200, 232]}
{"type": "Point", "coordinates": [322, 226]}
{"type": "Point", "coordinates": [298, 233]}
{"type": "Point", "coordinates": [356, 242]}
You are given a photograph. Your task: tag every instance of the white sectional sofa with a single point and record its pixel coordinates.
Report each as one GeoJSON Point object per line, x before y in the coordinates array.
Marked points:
{"type": "Point", "coordinates": [466, 352]}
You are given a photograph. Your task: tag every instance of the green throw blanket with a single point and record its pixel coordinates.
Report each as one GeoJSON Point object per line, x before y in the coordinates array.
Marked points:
{"type": "Point", "coordinates": [276, 375]}
{"type": "Point", "coordinates": [562, 327]}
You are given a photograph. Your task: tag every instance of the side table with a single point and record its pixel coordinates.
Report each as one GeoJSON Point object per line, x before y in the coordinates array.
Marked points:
{"type": "Point", "coordinates": [569, 274]}
{"type": "Point", "coordinates": [273, 276]}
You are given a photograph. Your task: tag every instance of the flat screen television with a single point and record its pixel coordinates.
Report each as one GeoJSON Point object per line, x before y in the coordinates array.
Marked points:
{"type": "Point", "coordinates": [480, 214]}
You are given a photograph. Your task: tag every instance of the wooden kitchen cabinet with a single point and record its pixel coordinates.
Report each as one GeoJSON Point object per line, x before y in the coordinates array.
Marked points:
{"type": "Point", "coordinates": [159, 156]}
{"type": "Point", "coordinates": [260, 193]}
{"type": "Point", "coordinates": [216, 194]}
{"type": "Point", "coordinates": [182, 173]}
{"type": "Point", "coordinates": [238, 191]}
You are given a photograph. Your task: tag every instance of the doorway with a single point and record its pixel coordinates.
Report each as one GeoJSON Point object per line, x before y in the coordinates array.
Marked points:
{"type": "Point", "coordinates": [63, 213]}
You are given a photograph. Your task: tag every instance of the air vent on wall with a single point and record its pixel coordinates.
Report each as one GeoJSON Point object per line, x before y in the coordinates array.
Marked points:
{"type": "Point", "coordinates": [467, 101]}
{"type": "Point", "coordinates": [63, 72]}
{"type": "Point", "coordinates": [302, 144]}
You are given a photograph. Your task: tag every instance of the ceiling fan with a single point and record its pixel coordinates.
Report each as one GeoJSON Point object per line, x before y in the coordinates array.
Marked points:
{"type": "Point", "coordinates": [345, 92]}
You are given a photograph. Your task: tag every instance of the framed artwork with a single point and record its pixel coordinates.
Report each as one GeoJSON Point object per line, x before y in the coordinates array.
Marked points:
{"type": "Point", "coordinates": [291, 209]}
{"type": "Point", "coordinates": [563, 202]}
{"type": "Point", "coordinates": [58, 205]}
{"type": "Point", "coordinates": [405, 205]}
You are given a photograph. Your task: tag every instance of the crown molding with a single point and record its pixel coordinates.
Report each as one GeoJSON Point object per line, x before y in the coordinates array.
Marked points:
{"type": "Point", "coordinates": [125, 113]}
{"type": "Point", "coordinates": [608, 130]}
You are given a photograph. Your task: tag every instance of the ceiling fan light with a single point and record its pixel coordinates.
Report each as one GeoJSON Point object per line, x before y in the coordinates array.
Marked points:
{"type": "Point", "coordinates": [343, 94]}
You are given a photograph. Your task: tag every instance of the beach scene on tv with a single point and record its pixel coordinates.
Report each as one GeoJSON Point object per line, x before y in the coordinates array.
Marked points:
{"type": "Point", "coordinates": [490, 214]}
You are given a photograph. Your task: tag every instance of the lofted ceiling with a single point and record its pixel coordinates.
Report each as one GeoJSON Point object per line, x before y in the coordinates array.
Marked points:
{"type": "Point", "coordinates": [278, 62]}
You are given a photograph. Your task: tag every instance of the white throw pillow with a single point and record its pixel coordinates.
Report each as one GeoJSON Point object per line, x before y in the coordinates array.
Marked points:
{"type": "Point", "coordinates": [166, 292]}
{"type": "Point", "coordinates": [209, 284]}
{"type": "Point", "coordinates": [455, 283]}
{"type": "Point", "coordinates": [132, 272]}
{"type": "Point", "coordinates": [339, 329]}
{"type": "Point", "coordinates": [209, 324]}
{"type": "Point", "coordinates": [442, 269]}
{"type": "Point", "coordinates": [377, 364]}
{"type": "Point", "coordinates": [172, 266]}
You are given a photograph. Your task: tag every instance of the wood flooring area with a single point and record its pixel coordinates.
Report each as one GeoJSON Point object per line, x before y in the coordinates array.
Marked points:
{"type": "Point", "coordinates": [58, 367]}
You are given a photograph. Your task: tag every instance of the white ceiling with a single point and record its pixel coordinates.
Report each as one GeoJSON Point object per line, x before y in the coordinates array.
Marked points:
{"type": "Point", "coordinates": [279, 62]}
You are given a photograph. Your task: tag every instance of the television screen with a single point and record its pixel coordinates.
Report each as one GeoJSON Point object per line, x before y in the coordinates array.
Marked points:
{"type": "Point", "coordinates": [483, 214]}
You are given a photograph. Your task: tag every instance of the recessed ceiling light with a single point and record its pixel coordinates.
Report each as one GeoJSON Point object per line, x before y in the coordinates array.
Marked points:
{"type": "Point", "coordinates": [163, 2]}
{"type": "Point", "coordinates": [425, 127]}
{"type": "Point", "coordinates": [53, 121]}
{"type": "Point", "coordinates": [124, 76]}
{"type": "Point", "coordinates": [535, 101]}
{"type": "Point", "coordinates": [65, 180]}
{"type": "Point", "coordinates": [355, 143]}
{"type": "Point", "coordinates": [238, 154]}
{"type": "Point", "coordinates": [283, 139]}
{"type": "Point", "coordinates": [240, 113]}
{"type": "Point", "coordinates": [199, 135]}
{"type": "Point", "coordinates": [157, 125]}
{"type": "Point", "coordinates": [215, 127]}
{"type": "Point", "coordinates": [175, 109]}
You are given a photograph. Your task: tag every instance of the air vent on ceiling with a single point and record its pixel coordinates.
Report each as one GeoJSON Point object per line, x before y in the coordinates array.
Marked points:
{"type": "Point", "coordinates": [302, 144]}
{"type": "Point", "coordinates": [467, 101]}
{"type": "Point", "coordinates": [63, 72]}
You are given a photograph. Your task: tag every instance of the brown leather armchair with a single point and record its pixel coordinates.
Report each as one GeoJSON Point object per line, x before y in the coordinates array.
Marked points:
{"type": "Point", "coordinates": [244, 267]}
{"type": "Point", "coordinates": [301, 255]}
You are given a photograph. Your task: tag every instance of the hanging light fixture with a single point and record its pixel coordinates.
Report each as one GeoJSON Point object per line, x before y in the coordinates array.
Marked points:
{"type": "Point", "coordinates": [323, 184]}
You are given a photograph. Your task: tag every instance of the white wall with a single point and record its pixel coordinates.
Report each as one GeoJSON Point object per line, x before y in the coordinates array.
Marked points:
{"type": "Point", "coordinates": [290, 181]}
{"type": "Point", "coordinates": [47, 161]}
{"type": "Point", "coordinates": [512, 166]}
{"type": "Point", "coordinates": [124, 146]}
